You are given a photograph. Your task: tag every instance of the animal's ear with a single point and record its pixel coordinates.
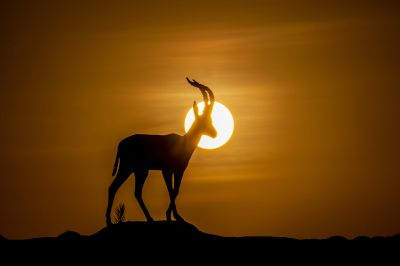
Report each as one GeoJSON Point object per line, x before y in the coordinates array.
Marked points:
{"type": "Point", "coordinates": [195, 110]}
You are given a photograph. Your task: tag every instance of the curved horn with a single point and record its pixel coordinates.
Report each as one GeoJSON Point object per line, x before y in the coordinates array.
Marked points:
{"type": "Point", "coordinates": [210, 93]}
{"type": "Point", "coordinates": [200, 87]}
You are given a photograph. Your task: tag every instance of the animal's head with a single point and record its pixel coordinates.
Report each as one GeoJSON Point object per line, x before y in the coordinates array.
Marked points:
{"type": "Point", "coordinates": [203, 123]}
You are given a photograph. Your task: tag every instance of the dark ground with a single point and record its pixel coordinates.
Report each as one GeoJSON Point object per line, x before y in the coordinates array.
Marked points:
{"type": "Point", "coordinates": [173, 241]}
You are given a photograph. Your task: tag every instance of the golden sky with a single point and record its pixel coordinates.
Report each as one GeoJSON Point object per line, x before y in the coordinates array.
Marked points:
{"type": "Point", "coordinates": [313, 87]}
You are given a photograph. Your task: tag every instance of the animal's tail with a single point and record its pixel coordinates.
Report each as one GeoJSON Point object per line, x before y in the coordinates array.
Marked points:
{"type": "Point", "coordinates": [116, 163]}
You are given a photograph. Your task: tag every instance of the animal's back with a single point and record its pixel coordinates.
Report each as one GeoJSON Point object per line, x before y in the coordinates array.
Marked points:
{"type": "Point", "coordinates": [151, 151]}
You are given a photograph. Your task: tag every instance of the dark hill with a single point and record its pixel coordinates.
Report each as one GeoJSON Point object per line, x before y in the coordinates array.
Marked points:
{"type": "Point", "coordinates": [155, 231]}
{"type": "Point", "coordinates": [150, 240]}
{"type": "Point", "coordinates": [184, 232]}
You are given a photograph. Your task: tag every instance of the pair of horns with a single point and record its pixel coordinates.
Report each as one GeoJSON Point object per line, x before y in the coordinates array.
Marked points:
{"type": "Point", "coordinates": [204, 91]}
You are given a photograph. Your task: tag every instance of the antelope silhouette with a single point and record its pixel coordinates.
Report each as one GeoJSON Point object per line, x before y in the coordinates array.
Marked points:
{"type": "Point", "coordinates": [169, 153]}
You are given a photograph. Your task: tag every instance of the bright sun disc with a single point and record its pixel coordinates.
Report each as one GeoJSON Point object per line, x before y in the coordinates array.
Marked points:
{"type": "Point", "coordinates": [223, 123]}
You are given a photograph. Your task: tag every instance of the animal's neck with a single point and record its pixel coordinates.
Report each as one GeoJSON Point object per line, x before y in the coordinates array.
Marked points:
{"type": "Point", "coordinates": [193, 137]}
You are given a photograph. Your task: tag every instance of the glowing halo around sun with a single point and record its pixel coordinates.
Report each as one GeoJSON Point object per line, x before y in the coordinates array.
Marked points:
{"type": "Point", "coordinates": [223, 123]}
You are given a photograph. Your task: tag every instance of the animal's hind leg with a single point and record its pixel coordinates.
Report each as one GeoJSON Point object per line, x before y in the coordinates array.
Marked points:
{"type": "Point", "coordinates": [140, 178]}
{"type": "Point", "coordinates": [177, 183]}
{"type": "Point", "coordinates": [168, 181]}
{"type": "Point", "coordinates": [121, 177]}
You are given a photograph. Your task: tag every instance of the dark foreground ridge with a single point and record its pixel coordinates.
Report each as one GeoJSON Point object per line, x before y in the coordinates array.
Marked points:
{"type": "Point", "coordinates": [149, 241]}
{"type": "Point", "coordinates": [183, 231]}
{"type": "Point", "coordinates": [154, 231]}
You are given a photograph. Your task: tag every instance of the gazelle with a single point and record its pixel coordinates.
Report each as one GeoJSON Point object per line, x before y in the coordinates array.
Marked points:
{"type": "Point", "coordinates": [169, 153]}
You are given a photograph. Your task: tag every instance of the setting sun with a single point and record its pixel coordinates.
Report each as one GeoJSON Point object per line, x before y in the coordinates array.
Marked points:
{"type": "Point", "coordinates": [223, 123]}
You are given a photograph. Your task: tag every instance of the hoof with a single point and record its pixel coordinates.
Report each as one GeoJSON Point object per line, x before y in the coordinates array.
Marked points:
{"type": "Point", "coordinates": [178, 218]}
{"type": "Point", "coordinates": [168, 214]}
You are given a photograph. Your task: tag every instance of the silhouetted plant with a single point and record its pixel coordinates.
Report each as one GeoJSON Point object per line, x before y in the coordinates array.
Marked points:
{"type": "Point", "coordinates": [120, 213]}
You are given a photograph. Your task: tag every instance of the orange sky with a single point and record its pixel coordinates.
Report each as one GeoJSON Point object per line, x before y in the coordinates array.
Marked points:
{"type": "Point", "coordinates": [313, 88]}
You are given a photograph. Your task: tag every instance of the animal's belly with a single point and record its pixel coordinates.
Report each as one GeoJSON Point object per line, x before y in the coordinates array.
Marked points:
{"type": "Point", "coordinates": [157, 164]}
